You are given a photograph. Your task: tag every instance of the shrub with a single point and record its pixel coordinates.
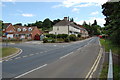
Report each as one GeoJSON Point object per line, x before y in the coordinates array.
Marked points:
{"type": "Point", "coordinates": [53, 41]}
{"type": "Point", "coordinates": [72, 37]}
{"type": "Point", "coordinates": [45, 40]}
{"type": "Point", "coordinates": [51, 36]}
{"type": "Point", "coordinates": [79, 35]}
{"type": "Point", "coordinates": [63, 36]}
{"type": "Point", "coordinates": [67, 39]}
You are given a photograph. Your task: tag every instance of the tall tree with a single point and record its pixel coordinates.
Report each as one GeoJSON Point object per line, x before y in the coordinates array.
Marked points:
{"type": "Point", "coordinates": [47, 23]}
{"type": "Point", "coordinates": [112, 12]}
{"type": "Point", "coordinates": [56, 21]}
{"type": "Point", "coordinates": [95, 23]}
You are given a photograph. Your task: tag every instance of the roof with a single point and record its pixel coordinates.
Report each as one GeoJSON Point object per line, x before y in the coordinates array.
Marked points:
{"type": "Point", "coordinates": [24, 32]}
{"type": "Point", "coordinates": [62, 23]}
{"type": "Point", "coordinates": [65, 22]}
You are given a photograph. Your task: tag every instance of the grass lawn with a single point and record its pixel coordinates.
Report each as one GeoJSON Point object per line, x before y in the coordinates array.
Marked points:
{"type": "Point", "coordinates": [108, 45]}
{"type": "Point", "coordinates": [6, 51]}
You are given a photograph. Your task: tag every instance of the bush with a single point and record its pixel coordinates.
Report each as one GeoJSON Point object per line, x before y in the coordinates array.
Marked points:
{"type": "Point", "coordinates": [45, 40]}
{"type": "Point", "coordinates": [51, 36]}
{"type": "Point", "coordinates": [63, 36]}
{"type": "Point", "coordinates": [53, 41]}
{"type": "Point", "coordinates": [79, 35]}
{"type": "Point", "coordinates": [67, 39]}
{"type": "Point", "coordinates": [72, 37]}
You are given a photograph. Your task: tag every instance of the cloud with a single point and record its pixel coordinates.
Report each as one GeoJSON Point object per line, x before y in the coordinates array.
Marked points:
{"type": "Point", "coordinates": [27, 15]}
{"type": "Point", "coordinates": [100, 21]}
{"type": "Point", "coordinates": [81, 3]}
{"type": "Point", "coordinates": [75, 10]}
{"type": "Point", "coordinates": [94, 13]}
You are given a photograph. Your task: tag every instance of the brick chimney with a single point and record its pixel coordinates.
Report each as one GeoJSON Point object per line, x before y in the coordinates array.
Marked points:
{"type": "Point", "coordinates": [66, 18]}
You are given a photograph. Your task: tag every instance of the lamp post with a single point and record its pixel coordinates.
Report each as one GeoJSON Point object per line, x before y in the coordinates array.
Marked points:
{"type": "Point", "coordinates": [56, 36]}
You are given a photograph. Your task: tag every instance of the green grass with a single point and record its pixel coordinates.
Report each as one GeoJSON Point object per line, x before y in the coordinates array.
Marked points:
{"type": "Point", "coordinates": [6, 51]}
{"type": "Point", "coordinates": [116, 72]}
{"type": "Point", "coordinates": [115, 50]}
{"type": "Point", "coordinates": [104, 71]}
{"type": "Point", "coordinates": [109, 45]}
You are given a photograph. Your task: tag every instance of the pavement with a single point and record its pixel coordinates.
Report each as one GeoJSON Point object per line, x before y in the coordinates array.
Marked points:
{"type": "Point", "coordinates": [73, 60]}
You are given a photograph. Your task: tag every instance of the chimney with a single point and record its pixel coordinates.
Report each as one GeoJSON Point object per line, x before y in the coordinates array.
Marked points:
{"type": "Point", "coordinates": [65, 18]}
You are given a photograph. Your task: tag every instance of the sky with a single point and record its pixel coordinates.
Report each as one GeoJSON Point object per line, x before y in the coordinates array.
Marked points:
{"type": "Point", "coordinates": [29, 11]}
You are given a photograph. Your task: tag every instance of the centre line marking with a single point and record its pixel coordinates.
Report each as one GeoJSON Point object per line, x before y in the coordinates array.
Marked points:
{"type": "Point", "coordinates": [65, 55]}
{"type": "Point", "coordinates": [24, 56]}
{"type": "Point", "coordinates": [31, 54]}
{"type": "Point", "coordinates": [31, 71]}
{"type": "Point", "coordinates": [17, 57]}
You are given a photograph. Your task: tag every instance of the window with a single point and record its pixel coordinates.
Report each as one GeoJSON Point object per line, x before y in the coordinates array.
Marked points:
{"type": "Point", "coordinates": [30, 29]}
{"type": "Point", "coordinates": [24, 29]}
{"type": "Point", "coordinates": [57, 28]}
{"type": "Point", "coordinates": [18, 29]}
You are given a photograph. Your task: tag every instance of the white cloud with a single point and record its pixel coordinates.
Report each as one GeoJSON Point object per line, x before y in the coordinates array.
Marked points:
{"type": "Point", "coordinates": [81, 3]}
{"type": "Point", "coordinates": [100, 21]}
{"type": "Point", "coordinates": [27, 15]}
{"type": "Point", "coordinates": [94, 13]}
{"type": "Point", "coordinates": [75, 10]}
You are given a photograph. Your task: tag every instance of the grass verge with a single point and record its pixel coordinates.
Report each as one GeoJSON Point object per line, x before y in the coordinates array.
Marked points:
{"type": "Point", "coordinates": [107, 44]}
{"type": "Point", "coordinates": [104, 71]}
{"type": "Point", "coordinates": [6, 51]}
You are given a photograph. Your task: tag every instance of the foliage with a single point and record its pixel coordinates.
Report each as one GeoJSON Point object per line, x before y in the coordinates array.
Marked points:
{"type": "Point", "coordinates": [45, 40]}
{"type": "Point", "coordinates": [79, 35]}
{"type": "Point", "coordinates": [51, 36]}
{"type": "Point", "coordinates": [63, 36]}
{"type": "Point", "coordinates": [72, 37]}
{"type": "Point", "coordinates": [67, 39]}
{"type": "Point", "coordinates": [55, 21]}
{"type": "Point", "coordinates": [112, 20]}
{"type": "Point", "coordinates": [93, 29]}
{"type": "Point", "coordinates": [47, 23]}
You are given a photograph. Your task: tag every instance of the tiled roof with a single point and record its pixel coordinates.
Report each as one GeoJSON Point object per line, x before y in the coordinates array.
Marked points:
{"type": "Point", "coordinates": [23, 27]}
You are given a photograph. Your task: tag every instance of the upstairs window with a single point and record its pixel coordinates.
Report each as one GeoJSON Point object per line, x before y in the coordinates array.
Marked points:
{"type": "Point", "coordinates": [24, 29]}
{"type": "Point", "coordinates": [18, 29]}
{"type": "Point", "coordinates": [30, 29]}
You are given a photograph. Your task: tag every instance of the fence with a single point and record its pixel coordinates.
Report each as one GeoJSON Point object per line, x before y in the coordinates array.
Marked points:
{"type": "Point", "coordinates": [110, 68]}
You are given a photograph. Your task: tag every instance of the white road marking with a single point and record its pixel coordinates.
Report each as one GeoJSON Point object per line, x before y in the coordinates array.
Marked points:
{"type": "Point", "coordinates": [24, 56]}
{"type": "Point", "coordinates": [94, 67]}
{"type": "Point", "coordinates": [36, 53]}
{"type": "Point", "coordinates": [31, 54]}
{"type": "Point", "coordinates": [65, 55]}
{"type": "Point", "coordinates": [18, 58]}
{"type": "Point", "coordinates": [31, 71]}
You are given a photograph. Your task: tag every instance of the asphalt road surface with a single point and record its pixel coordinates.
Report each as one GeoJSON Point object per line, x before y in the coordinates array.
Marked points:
{"type": "Point", "coordinates": [65, 60]}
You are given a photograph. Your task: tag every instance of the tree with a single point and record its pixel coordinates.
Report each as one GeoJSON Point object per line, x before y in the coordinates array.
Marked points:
{"type": "Point", "coordinates": [18, 24]}
{"type": "Point", "coordinates": [71, 20]}
{"type": "Point", "coordinates": [112, 12]}
{"type": "Point", "coordinates": [95, 23]}
{"type": "Point", "coordinates": [47, 23]}
{"type": "Point", "coordinates": [56, 21]}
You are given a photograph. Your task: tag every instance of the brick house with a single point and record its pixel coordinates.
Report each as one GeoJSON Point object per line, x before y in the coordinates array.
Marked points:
{"type": "Point", "coordinates": [20, 32]}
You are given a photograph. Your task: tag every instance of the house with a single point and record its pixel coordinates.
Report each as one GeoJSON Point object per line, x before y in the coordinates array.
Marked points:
{"type": "Point", "coordinates": [67, 27]}
{"type": "Point", "coordinates": [20, 32]}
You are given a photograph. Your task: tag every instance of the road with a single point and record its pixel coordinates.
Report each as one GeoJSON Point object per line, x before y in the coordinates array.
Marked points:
{"type": "Point", "coordinates": [66, 60]}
